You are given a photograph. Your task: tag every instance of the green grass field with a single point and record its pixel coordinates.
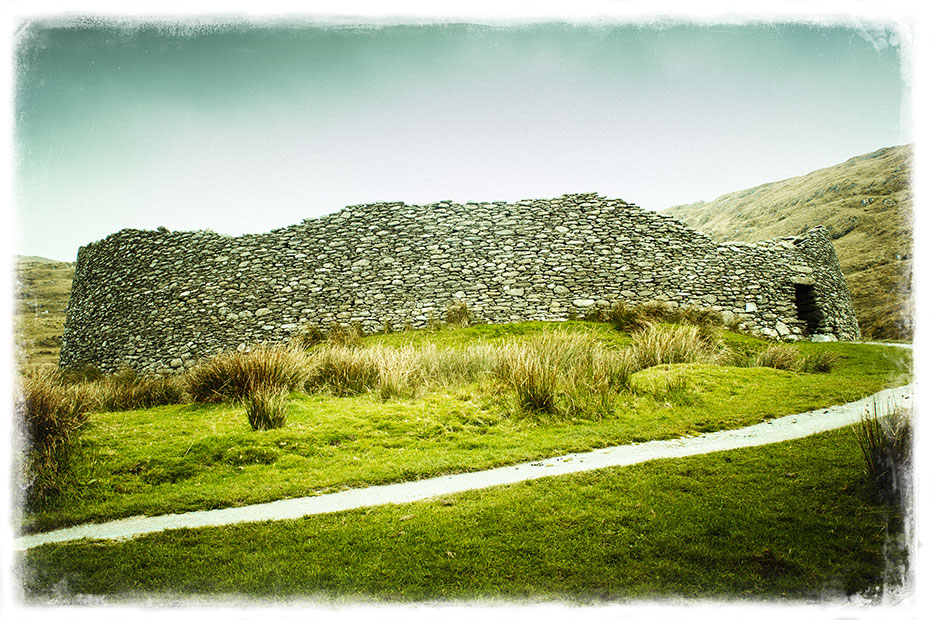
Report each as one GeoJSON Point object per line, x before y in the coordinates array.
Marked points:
{"type": "Point", "coordinates": [785, 521]}
{"type": "Point", "coordinates": [792, 520]}
{"type": "Point", "coordinates": [184, 457]}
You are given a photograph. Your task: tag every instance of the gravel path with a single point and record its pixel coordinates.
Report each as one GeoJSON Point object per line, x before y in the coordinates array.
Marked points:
{"type": "Point", "coordinates": [781, 429]}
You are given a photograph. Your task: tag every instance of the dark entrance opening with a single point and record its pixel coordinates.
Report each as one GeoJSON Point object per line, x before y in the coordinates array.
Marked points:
{"type": "Point", "coordinates": [808, 309]}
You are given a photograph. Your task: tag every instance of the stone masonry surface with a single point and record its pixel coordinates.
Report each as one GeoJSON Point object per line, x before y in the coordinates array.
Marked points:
{"type": "Point", "coordinates": [160, 300]}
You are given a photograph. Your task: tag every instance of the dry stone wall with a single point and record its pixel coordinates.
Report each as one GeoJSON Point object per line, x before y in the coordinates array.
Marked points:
{"type": "Point", "coordinates": [160, 300]}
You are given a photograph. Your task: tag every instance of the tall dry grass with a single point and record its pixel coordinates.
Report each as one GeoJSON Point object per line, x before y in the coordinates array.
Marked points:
{"type": "Point", "coordinates": [563, 373]}
{"type": "Point", "coordinates": [52, 415]}
{"type": "Point", "coordinates": [787, 357]}
{"type": "Point", "coordinates": [554, 373]}
{"type": "Point", "coordinates": [308, 335]}
{"type": "Point", "coordinates": [657, 345]}
{"type": "Point", "coordinates": [819, 361]}
{"type": "Point", "coordinates": [233, 375]}
{"type": "Point", "coordinates": [395, 371]}
{"type": "Point", "coordinates": [343, 334]}
{"type": "Point", "coordinates": [550, 373]}
{"type": "Point", "coordinates": [127, 390]}
{"type": "Point", "coordinates": [459, 313]}
{"type": "Point", "coordinates": [628, 317]}
{"type": "Point", "coordinates": [341, 370]}
{"type": "Point", "coordinates": [885, 439]}
{"type": "Point", "coordinates": [778, 356]}
{"type": "Point", "coordinates": [266, 408]}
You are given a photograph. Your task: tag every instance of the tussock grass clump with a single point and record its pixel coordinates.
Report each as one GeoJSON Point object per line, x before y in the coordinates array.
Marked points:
{"type": "Point", "coordinates": [444, 367]}
{"type": "Point", "coordinates": [625, 317]}
{"type": "Point", "coordinates": [266, 408]}
{"type": "Point", "coordinates": [127, 390]}
{"type": "Point", "coordinates": [341, 369]}
{"type": "Point", "coordinates": [779, 356]}
{"type": "Point", "coordinates": [232, 375]}
{"type": "Point", "coordinates": [459, 314]}
{"type": "Point", "coordinates": [593, 384]}
{"type": "Point", "coordinates": [407, 371]}
{"type": "Point", "coordinates": [531, 370]}
{"type": "Point", "coordinates": [308, 335]}
{"type": "Point", "coordinates": [819, 361]}
{"type": "Point", "coordinates": [395, 372]}
{"type": "Point", "coordinates": [693, 315]}
{"type": "Point", "coordinates": [565, 374]}
{"type": "Point", "coordinates": [344, 334]}
{"type": "Point", "coordinates": [656, 345]}
{"type": "Point", "coordinates": [739, 358]}
{"type": "Point", "coordinates": [79, 374]}
{"type": "Point", "coordinates": [787, 357]}
{"type": "Point", "coordinates": [399, 373]}
{"type": "Point", "coordinates": [52, 415]}
{"type": "Point", "coordinates": [634, 318]}
{"type": "Point", "coordinates": [885, 441]}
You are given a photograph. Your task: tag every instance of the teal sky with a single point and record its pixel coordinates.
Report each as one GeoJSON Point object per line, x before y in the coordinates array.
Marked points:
{"type": "Point", "coordinates": [243, 128]}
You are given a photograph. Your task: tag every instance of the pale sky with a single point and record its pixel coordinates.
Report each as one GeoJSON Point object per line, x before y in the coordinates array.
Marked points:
{"type": "Point", "coordinates": [247, 126]}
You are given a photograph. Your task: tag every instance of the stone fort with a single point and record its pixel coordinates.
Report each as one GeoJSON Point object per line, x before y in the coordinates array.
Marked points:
{"type": "Point", "coordinates": [160, 300]}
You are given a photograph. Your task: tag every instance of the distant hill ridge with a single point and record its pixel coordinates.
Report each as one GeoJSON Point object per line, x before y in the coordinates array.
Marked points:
{"type": "Point", "coordinates": [34, 259]}
{"type": "Point", "coordinates": [41, 290]}
{"type": "Point", "coordinates": [865, 202]}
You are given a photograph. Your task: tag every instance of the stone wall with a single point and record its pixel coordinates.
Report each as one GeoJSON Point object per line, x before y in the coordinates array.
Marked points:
{"type": "Point", "coordinates": [156, 300]}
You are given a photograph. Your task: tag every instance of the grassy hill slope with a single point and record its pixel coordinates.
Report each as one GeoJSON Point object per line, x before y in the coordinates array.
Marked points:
{"type": "Point", "coordinates": [42, 288]}
{"type": "Point", "coordinates": [865, 202]}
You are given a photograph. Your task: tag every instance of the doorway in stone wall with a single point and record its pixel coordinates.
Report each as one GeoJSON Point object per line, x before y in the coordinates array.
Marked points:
{"type": "Point", "coordinates": [808, 309]}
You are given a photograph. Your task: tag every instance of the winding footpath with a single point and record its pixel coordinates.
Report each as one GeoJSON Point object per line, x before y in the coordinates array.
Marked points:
{"type": "Point", "coordinates": [772, 431]}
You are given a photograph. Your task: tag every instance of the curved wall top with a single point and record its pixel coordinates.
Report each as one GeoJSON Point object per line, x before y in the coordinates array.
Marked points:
{"type": "Point", "coordinates": [156, 300]}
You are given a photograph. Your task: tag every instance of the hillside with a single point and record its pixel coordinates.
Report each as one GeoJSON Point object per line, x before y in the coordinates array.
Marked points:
{"type": "Point", "coordinates": [41, 291]}
{"type": "Point", "coordinates": [866, 203]}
